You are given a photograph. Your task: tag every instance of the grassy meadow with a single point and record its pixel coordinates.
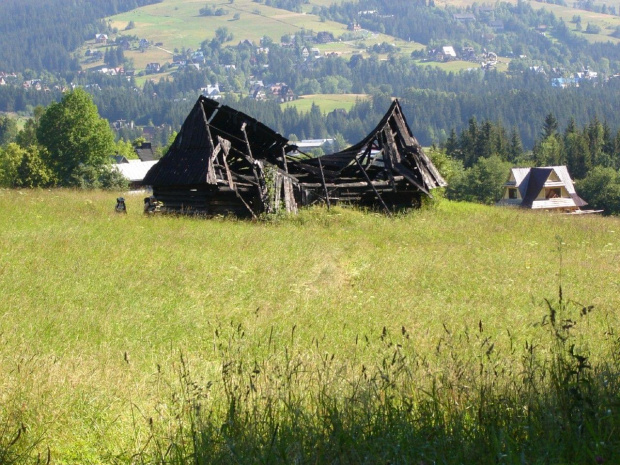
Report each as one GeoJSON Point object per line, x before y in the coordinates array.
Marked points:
{"type": "Point", "coordinates": [327, 102]}
{"type": "Point", "coordinates": [178, 24]}
{"type": "Point", "coordinates": [340, 336]}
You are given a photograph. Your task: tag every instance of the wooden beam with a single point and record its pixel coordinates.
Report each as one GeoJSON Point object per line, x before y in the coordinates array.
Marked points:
{"type": "Point", "coordinates": [388, 164]}
{"type": "Point", "coordinates": [323, 181]}
{"type": "Point", "coordinates": [345, 185]}
{"type": "Point", "coordinates": [225, 148]}
{"type": "Point", "coordinates": [204, 117]}
{"type": "Point", "coordinates": [211, 176]}
{"type": "Point", "coordinates": [245, 203]}
{"type": "Point", "coordinates": [256, 167]}
{"type": "Point", "coordinates": [373, 187]}
{"type": "Point", "coordinates": [409, 176]}
{"type": "Point", "coordinates": [289, 196]}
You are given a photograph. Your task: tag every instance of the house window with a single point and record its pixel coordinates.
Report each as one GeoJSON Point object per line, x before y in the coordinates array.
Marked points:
{"type": "Point", "coordinates": [554, 193]}
{"type": "Point", "coordinates": [512, 193]}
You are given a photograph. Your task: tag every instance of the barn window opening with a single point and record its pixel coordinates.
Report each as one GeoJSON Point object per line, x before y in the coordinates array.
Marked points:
{"type": "Point", "coordinates": [512, 193]}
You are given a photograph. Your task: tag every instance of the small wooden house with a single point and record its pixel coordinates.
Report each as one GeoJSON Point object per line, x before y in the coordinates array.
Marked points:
{"type": "Point", "coordinates": [546, 188]}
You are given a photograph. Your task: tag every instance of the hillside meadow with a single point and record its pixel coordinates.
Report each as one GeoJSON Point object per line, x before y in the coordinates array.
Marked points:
{"type": "Point", "coordinates": [335, 336]}
{"type": "Point", "coordinates": [327, 102]}
{"type": "Point", "coordinates": [177, 24]}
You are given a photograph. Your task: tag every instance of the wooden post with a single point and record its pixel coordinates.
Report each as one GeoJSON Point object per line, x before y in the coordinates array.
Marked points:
{"type": "Point", "coordinates": [225, 148]}
{"type": "Point", "coordinates": [211, 177]}
{"type": "Point", "coordinates": [262, 188]}
{"type": "Point", "coordinates": [388, 164]}
{"type": "Point", "coordinates": [323, 181]}
{"type": "Point", "coordinates": [285, 162]}
{"type": "Point", "coordinates": [373, 187]}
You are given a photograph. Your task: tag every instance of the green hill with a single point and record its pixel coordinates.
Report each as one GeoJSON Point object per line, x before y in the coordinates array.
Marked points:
{"type": "Point", "coordinates": [177, 24]}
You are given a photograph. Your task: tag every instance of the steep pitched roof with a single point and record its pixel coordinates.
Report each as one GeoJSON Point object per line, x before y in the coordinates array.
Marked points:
{"type": "Point", "coordinates": [145, 152]}
{"type": "Point", "coordinates": [536, 181]}
{"type": "Point", "coordinates": [530, 181]}
{"type": "Point", "coordinates": [401, 152]}
{"type": "Point", "coordinates": [188, 158]}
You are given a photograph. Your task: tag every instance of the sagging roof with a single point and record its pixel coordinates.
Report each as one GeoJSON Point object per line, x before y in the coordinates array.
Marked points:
{"type": "Point", "coordinates": [217, 165]}
{"type": "Point", "coordinates": [389, 150]}
{"type": "Point", "coordinates": [188, 159]}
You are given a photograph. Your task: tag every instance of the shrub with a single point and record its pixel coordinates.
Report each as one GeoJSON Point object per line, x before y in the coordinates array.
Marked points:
{"type": "Point", "coordinates": [98, 177]}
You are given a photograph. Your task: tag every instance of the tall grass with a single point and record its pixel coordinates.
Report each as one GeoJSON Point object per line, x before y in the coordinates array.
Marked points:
{"type": "Point", "coordinates": [281, 327]}
{"type": "Point", "coordinates": [464, 402]}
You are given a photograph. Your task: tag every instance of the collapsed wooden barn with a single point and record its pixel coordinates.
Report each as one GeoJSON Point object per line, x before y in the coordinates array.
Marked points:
{"type": "Point", "coordinates": [387, 169]}
{"type": "Point", "coordinates": [226, 162]}
{"type": "Point", "coordinates": [216, 164]}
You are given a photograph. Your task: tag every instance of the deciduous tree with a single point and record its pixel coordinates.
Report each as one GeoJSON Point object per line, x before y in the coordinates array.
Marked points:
{"type": "Point", "coordinates": [74, 134]}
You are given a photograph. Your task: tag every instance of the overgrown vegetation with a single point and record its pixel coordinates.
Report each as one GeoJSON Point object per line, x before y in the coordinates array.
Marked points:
{"type": "Point", "coordinates": [467, 401]}
{"type": "Point", "coordinates": [67, 144]}
{"type": "Point", "coordinates": [281, 329]}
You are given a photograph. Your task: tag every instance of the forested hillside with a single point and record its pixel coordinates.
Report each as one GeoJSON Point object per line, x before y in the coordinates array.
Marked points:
{"type": "Point", "coordinates": [434, 101]}
{"type": "Point", "coordinates": [41, 34]}
{"type": "Point", "coordinates": [534, 64]}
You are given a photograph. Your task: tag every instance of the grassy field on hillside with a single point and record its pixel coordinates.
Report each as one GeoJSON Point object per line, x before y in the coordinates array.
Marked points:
{"type": "Point", "coordinates": [121, 334]}
{"type": "Point", "coordinates": [607, 23]}
{"type": "Point", "coordinates": [327, 102]}
{"type": "Point", "coordinates": [177, 24]}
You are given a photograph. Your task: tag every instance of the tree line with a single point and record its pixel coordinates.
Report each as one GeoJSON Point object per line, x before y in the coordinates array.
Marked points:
{"type": "Point", "coordinates": [41, 34]}
{"type": "Point", "coordinates": [477, 160]}
{"type": "Point", "coordinates": [434, 101]}
{"type": "Point", "coordinates": [66, 144]}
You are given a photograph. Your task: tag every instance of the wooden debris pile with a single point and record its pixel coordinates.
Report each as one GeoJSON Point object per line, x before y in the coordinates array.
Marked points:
{"type": "Point", "coordinates": [225, 162]}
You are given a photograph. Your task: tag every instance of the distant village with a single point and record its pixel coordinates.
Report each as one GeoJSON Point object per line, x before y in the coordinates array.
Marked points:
{"type": "Point", "coordinates": [101, 44]}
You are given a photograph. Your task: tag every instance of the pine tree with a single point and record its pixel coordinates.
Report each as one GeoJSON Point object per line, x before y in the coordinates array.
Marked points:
{"type": "Point", "coordinates": [515, 147]}
{"type": "Point", "coordinates": [550, 126]}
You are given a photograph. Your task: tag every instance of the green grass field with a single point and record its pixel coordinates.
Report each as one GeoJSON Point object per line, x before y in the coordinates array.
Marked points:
{"type": "Point", "coordinates": [327, 102]}
{"type": "Point", "coordinates": [177, 24]}
{"type": "Point", "coordinates": [607, 23]}
{"type": "Point", "coordinates": [97, 308]}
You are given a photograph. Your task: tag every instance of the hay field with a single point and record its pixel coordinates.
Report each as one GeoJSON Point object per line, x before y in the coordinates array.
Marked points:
{"type": "Point", "coordinates": [178, 24]}
{"type": "Point", "coordinates": [327, 102]}
{"type": "Point", "coordinates": [97, 308]}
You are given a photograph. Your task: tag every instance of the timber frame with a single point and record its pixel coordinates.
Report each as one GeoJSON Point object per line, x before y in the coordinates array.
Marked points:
{"type": "Point", "coordinates": [388, 169]}
{"type": "Point", "coordinates": [225, 162]}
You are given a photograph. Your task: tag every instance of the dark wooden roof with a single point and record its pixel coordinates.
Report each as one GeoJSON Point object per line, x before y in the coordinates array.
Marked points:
{"type": "Point", "coordinates": [187, 159]}
{"type": "Point", "coordinates": [145, 152]}
{"type": "Point", "coordinates": [401, 152]}
{"type": "Point", "coordinates": [535, 180]}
